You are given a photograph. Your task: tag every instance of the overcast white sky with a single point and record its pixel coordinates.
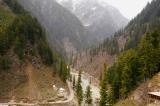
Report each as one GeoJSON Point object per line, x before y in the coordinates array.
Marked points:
{"type": "Point", "coordinates": [129, 8]}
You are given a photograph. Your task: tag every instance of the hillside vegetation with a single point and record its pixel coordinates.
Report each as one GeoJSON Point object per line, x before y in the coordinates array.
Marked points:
{"type": "Point", "coordinates": [139, 57]}
{"type": "Point", "coordinates": [23, 42]}
{"type": "Point", "coordinates": [135, 66]}
{"type": "Point", "coordinates": [130, 36]}
{"type": "Point", "coordinates": [137, 52]}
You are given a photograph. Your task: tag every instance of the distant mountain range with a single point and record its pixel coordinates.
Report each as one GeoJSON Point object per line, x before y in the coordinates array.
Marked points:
{"type": "Point", "coordinates": [75, 25]}
{"type": "Point", "coordinates": [99, 18]}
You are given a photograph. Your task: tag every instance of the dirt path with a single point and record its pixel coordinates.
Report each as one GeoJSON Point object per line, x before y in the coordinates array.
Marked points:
{"type": "Point", "coordinates": [70, 96]}
{"type": "Point", "coordinates": [32, 86]}
{"type": "Point", "coordinates": [65, 102]}
{"type": "Point", "coordinates": [34, 93]}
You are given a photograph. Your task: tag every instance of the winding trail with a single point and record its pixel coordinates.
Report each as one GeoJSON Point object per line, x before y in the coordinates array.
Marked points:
{"type": "Point", "coordinates": [32, 87]}
{"type": "Point", "coordinates": [70, 98]}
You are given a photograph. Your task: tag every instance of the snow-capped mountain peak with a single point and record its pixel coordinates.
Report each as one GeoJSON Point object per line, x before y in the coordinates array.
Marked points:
{"type": "Point", "coordinates": [101, 19]}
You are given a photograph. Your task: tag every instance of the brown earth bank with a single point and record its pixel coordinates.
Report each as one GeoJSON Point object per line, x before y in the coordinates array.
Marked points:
{"type": "Point", "coordinates": [39, 85]}
{"type": "Point", "coordinates": [12, 78]}
{"type": "Point", "coordinates": [93, 64]}
{"type": "Point", "coordinates": [29, 84]}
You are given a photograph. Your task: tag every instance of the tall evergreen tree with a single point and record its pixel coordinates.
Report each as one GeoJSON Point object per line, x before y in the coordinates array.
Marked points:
{"type": "Point", "coordinates": [61, 68]}
{"type": "Point", "coordinates": [79, 89]}
{"type": "Point", "coordinates": [88, 95]}
{"type": "Point", "coordinates": [103, 90]}
{"type": "Point", "coordinates": [74, 82]}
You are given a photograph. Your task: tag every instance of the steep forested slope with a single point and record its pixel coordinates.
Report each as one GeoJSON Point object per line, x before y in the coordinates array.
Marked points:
{"type": "Point", "coordinates": [139, 59]}
{"type": "Point", "coordinates": [23, 42]}
{"type": "Point", "coordinates": [65, 32]}
{"type": "Point", "coordinates": [130, 36]}
{"type": "Point", "coordinates": [135, 66]}
{"type": "Point", "coordinates": [137, 49]}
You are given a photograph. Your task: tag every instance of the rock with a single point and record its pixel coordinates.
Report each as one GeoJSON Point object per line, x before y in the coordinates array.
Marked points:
{"type": "Point", "coordinates": [61, 90]}
{"type": "Point", "coordinates": [55, 88]}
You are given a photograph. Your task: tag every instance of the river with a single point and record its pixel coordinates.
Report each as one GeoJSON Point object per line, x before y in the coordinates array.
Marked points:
{"type": "Point", "coordinates": [85, 82]}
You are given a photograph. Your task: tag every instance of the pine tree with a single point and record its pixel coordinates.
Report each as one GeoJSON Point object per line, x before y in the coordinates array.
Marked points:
{"type": "Point", "coordinates": [61, 68]}
{"type": "Point", "coordinates": [69, 76]}
{"type": "Point", "coordinates": [79, 89]}
{"type": "Point", "coordinates": [88, 95]}
{"type": "Point", "coordinates": [64, 73]}
{"type": "Point", "coordinates": [103, 90]}
{"type": "Point", "coordinates": [100, 77]}
{"type": "Point", "coordinates": [74, 82]}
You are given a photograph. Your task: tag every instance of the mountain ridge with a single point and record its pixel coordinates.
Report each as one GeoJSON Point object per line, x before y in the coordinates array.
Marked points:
{"type": "Point", "coordinates": [100, 19]}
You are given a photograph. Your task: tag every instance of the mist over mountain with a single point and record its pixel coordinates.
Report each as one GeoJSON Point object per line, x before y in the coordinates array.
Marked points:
{"type": "Point", "coordinates": [79, 53]}
{"type": "Point", "coordinates": [76, 24]}
{"type": "Point", "coordinates": [99, 18]}
{"type": "Point", "coordinates": [64, 31]}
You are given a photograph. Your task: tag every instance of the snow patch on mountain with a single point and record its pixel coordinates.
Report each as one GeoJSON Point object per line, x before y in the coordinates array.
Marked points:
{"type": "Point", "coordinates": [100, 19]}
